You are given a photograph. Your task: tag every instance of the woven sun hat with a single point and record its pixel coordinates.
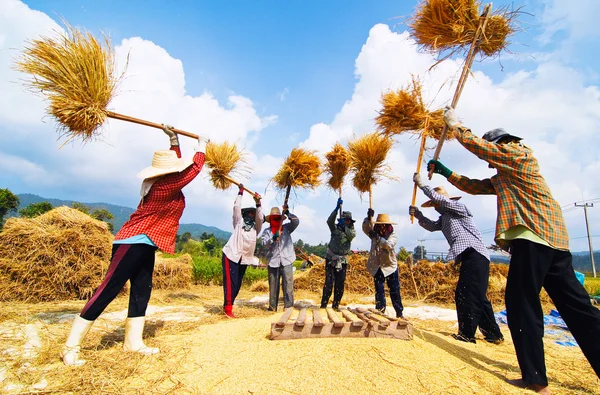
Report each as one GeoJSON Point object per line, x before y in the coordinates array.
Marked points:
{"type": "Point", "coordinates": [441, 191]}
{"type": "Point", "coordinates": [275, 211]}
{"type": "Point", "coordinates": [164, 162]}
{"type": "Point", "coordinates": [383, 219]}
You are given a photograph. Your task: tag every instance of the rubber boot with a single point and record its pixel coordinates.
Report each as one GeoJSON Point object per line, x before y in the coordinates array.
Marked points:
{"type": "Point", "coordinates": [70, 352]}
{"type": "Point", "coordinates": [229, 311]}
{"type": "Point", "coordinates": [134, 327]}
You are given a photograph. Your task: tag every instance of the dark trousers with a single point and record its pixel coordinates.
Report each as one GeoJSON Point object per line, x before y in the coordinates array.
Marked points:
{"type": "Point", "coordinates": [334, 280]}
{"type": "Point", "coordinates": [133, 262]}
{"type": "Point", "coordinates": [283, 275]}
{"type": "Point", "coordinates": [233, 274]}
{"type": "Point", "coordinates": [473, 308]}
{"type": "Point", "coordinates": [532, 267]}
{"type": "Point", "coordinates": [393, 283]}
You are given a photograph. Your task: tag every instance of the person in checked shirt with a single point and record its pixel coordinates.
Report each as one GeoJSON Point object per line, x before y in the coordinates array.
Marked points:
{"type": "Point", "coordinates": [530, 226]}
{"type": "Point", "coordinates": [238, 253]}
{"type": "Point", "coordinates": [152, 226]}
{"type": "Point", "coordinates": [473, 309]}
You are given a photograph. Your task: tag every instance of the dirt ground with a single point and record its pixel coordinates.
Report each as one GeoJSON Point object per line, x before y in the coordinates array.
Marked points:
{"type": "Point", "coordinates": [202, 352]}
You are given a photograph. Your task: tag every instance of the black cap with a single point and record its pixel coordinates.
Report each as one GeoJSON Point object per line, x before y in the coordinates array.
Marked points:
{"type": "Point", "coordinates": [493, 136]}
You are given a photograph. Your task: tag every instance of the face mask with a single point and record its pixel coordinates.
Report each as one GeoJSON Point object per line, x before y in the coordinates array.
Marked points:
{"type": "Point", "coordinates": [275, 224]}
{"type": "Point", "coordinates": [249, 222]}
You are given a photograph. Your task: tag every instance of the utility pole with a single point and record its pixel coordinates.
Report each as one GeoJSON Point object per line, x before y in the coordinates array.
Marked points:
{"type": "Point", "coordinates": [422, 240]}
{"type": "Point", "coordinates": [587, 225]}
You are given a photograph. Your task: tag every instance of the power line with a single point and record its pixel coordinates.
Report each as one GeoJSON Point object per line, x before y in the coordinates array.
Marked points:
{"type": "Point", "coordinates": [587, 225]}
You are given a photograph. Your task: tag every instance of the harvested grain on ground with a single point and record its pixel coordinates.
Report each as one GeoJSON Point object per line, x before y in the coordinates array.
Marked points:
{"type": "Point", "coordinates": [172, 273]}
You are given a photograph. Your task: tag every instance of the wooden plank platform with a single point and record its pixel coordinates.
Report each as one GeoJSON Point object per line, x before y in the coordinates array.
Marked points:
{"type": "Point", "coordinates": [360, 322]}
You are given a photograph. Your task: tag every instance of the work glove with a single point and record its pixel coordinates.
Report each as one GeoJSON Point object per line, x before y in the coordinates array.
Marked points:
{"type": "Point", "coordinates": [339, 203]}
{"type": "Point", "coordinates": [382, 240]}
{"type": "Point", "coordinates": [370, 213]}
{"type": "Point", "coordinates": [172, 135]}
{"type": "Point", "coordinates": [439, 168]}
{"type": "Point", "coordinates": [241, 191]}
{"type": "Point", "coordinates": [450, 118]}
{"type": "Point", "coordinates": [276, 236]}
{"type": "Point", "coordinates": [417, 180]}
{"type": "Point", "coordinates": [413, 210]}
{"type": "Point", "coordinates": [341, 223]}
{"type": "Point", "coordinates": [202, 141]}
{"type": "Point", "coordinates": [257, 198]}
{"type": "Point", "coordinates": [286, 210]}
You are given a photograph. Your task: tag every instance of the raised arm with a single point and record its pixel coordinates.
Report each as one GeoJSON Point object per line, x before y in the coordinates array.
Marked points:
{"type": "Point", "coordinates": [472, 186]}
{"type": "Point", "coordinates": [331, 220]}
{"type": "Point", "coordinates": [259, 217]}
{"type": "Point", "coordinates": [293, 224]}
{"type": "Point", "coordinates": [237, 210]}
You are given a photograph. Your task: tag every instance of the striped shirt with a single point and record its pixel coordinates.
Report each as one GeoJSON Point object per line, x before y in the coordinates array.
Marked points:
{"type": "Point", "coordinates": [455, 222]}
{"type": "Point", "coordinates": [158, 213]}
{"type": "Point", "coordinates": [524, 198]}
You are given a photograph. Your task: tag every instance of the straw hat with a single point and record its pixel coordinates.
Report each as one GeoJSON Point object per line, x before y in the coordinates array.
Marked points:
{"type": "Point", "coordinates": [441, 191]}
{"type": "Point", "coordinates": [383, 219]}
{"type": "Point", "coordinates": [275, 212]}
{"type": "Point", "coordinates": [164, 162]}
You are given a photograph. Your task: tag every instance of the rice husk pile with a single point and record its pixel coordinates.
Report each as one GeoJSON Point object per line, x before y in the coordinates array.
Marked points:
{"type": "Point", "coordinates": [60, 255]}
{"type": "Point", "coordinates": [172, 273]}
{"type": "Point", "coordinates": [301, 169]}
{"type": "Point", "coordinates": [404, 112]}
{"type": "Point", "coordinates": [224, 160]}
{"type": "Point", "coordinates": [75, 72]}
{"type": "Point", "coordinates": [450, 25]}
{"type": "Point", "coordinates": [368, 155]}
{"type": "Point", "coordinates": [337, 166]}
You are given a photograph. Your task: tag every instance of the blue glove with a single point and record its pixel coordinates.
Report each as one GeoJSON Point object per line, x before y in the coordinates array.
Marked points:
{"type": "Point", "coordinates": [339, 203]}
{"type": "Point", "coordinates": [370, 213]}
{"type": "Point", "coordinates": [341, 223]}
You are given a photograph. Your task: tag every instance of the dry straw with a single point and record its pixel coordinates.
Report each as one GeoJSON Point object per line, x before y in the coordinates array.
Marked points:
{"type": "Point", "coordinates": [367, 160]}
{"type": "Point", "coordinates": [60, 255]}
{"type": "Point", "coordinates": [76, 73]}
{"type": "Point", "coordinates": [450, 26]}
{"type": "Point", "coordinates": [225, 160]}
{"type": "Point", "coordinates": [337, 166]}
{"type": "Point", "coordinates": [405, 112]}
{"type": "Point", "coordinates": [301, 169]}
{"type": "Point", "coordinates": [172, 273]}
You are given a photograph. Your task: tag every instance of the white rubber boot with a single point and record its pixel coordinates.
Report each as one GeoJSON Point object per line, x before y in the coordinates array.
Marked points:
{"type": "Point", "coordinates": [133, 337]}
{"type": "Point", "coordinates": [70, 352]}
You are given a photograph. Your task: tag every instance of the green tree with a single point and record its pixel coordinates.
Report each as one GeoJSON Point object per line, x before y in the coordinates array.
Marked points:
{"type": "Point", "coordinates": [419, 253]}
{"type": "Point", "coordinates": [8, 202]}
{"type": "Point", "coordinates": [81, 207]}
{"type": "Point", "coordinates": [35, 209]}
{"type": "Point", "coordinates": [211, 245]}
{"type": "Point", "coordinates": [101, 214]}
{"type": "Point", "coordinates": [403, 254]}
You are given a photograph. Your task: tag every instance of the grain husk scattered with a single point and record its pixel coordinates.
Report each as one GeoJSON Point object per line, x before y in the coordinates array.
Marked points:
{"type": "Point", "coordinates": [368, 155]}
{"type": "Point", "coordinates": [75, 72]}
{"type": "Point", "coordinates": [301, 169]}
{"type": "Point", "coordinates": [225, 161]}
{"type": "Point", "coordinates": [337, 166]}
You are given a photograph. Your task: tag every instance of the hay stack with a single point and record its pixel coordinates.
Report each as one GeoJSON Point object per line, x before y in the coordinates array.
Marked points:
{"type": "Point", "coordinates": [172, 273]}
{"type": "Point", "coordinates": [224, 160]}
{"type": "Point", "coordinates": [75, 72]}
{"type": "Point", "coordinates": [404, 111]}
{"type": "Point", "coordinates": [60, 255]}
{"type": "Point", "coordinates": [337, 166]}
{"type": "Point", "coordinates": [367, 160]}
{"type": "Point", "coordinates": [451, 25]}
{"type": "Point", "coordinates": [301, 169]}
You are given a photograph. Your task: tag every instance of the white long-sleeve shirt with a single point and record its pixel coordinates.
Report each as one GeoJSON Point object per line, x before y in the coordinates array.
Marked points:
{"type": "Point", "coordinates": [281, 252]}
{"type": "Point", "coordinates": [241, 244]}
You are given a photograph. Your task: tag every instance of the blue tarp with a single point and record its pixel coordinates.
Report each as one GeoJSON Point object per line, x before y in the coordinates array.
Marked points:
{"type": "Point", "coordinates": [554, 326]}
{"type": "Point", "coordinates": [580, 276]}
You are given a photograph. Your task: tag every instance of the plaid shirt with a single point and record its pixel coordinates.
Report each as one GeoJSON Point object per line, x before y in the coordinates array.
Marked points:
{"type": "Point", "coordinates": [523, 195]}
{"type": "Point", "coordinates": [157, 216]}
{"type": "Point", "coordinates": [456, 223]}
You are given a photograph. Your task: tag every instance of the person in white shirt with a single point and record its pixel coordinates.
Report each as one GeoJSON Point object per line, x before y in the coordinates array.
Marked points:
{"type": "Point", "coordinates": [238, 253]}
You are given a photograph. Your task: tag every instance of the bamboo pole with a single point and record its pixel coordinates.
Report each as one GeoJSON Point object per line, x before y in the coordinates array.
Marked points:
{"type": "Point", "coordinates": [127, 118]}
{"type": "Point", "coordinates": [421, 152]}
{"type": "Point", "coordinates": [340, 193]}
{"type": "Point", "coordinates": [238, 184]}
{"type": "Point", "coordinates": [464, 75]}
{"type": "Point", "coordinates": [285, 203]}
{"type": "Point", "coordinates": [371, 197]}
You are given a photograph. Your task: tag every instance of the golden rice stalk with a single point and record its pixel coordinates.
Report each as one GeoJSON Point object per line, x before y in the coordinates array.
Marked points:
{"type": "Point", "coordinates": [75, 72]}
{"type": "Point", "coordinates": [224, 160]}
{"type": "Point", "coordinates": [302, 168]}
{"type": "Point", "coordinates": [367, 159]}
{"type": "Point", "coordinates": [450, 25]}
{"type": "Point", "coordinates": [337, 166]}
{"type": "Point", "coordinates": [404, 111]}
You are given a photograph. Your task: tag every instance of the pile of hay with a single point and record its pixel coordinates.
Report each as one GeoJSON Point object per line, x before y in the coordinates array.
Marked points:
{"type": "Point", "coordinates": [301, 169]}
{"type": "Point", "coordinates": [172, 273]}
{"type": "Point", "coordinates": [450, 25]}
{"type": "Point", "coordinates": [60, 255]}
{"type": "Point", "coordinates": [225, 160]}
{"type": "Point", "coordinates": [436, 281]}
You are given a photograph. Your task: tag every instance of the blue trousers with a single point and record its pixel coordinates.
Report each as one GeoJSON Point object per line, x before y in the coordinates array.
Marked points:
{"type": "Point", "coordinates": [393, 283]}
{"type": "Point", "coordinates": [233, 274]}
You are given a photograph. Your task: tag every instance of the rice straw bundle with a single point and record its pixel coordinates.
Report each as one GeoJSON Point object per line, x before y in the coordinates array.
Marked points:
{"type": "Point", "coordinates": [301, 169]}
{"type": "Point", "coordinates": [337, 166]}
{"type": "Point", "coordinates": [76, 73]}
{"type": "Point", "coordinates": [367, 160]}
{"type": "Point", "coordinates": [404, 111]}
{"type": "Point", "coordinates": [223, 160]}
{"type": "Point", "coordinates": [451, 25]}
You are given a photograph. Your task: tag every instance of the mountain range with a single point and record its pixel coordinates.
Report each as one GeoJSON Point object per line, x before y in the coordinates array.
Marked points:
{"type": "Point", "coordinates": [121, 214]}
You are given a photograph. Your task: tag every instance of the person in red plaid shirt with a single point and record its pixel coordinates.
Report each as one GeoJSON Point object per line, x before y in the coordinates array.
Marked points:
{"type": "Point", "coordinates": [152, 226]}
{"type": "Point", "coordinates": [530, 226]}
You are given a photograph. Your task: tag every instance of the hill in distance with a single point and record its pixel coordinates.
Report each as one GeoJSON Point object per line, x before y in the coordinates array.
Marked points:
{"type": "Point", "coordinates": [122, 214]}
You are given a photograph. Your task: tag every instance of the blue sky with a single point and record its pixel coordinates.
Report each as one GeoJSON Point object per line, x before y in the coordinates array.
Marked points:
{"type": "Point", "coordinates": [272, 75]}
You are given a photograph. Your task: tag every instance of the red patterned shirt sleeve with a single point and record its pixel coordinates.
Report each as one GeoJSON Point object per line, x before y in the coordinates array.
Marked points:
{"type": "Point", "coordinates": [173, 183]}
